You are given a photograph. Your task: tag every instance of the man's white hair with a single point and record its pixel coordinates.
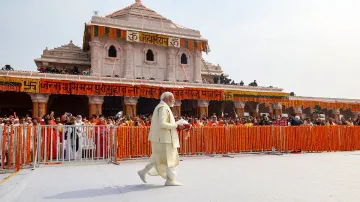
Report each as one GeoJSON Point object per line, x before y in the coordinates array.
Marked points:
{"type": "Point", "coordinates": [166, 95]}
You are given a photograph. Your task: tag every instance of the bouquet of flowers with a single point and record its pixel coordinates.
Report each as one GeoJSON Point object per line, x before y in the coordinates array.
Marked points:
{"type": "Point", "coordinates": [186, 125]}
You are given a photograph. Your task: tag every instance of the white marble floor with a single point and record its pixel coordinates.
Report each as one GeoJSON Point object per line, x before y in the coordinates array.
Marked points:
{"type": "Point", "coordinates": [299, 177]}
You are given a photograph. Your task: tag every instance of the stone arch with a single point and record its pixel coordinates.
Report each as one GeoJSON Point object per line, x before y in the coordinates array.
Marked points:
{"type": "Point", "coordinates": [116, 44]}
{"type": "Point", "coordinates": [150, 56]}
{"type": "Point", "coordinates": [184, 59]}
{"type": "Point", "coordinates": [112, 52]}
{"type": "Point", "coordinates": [180, 53]}
{"type": "Point", "coordinates": [113, 66]}
{"type": "Point", "coordinates": [180, 68]}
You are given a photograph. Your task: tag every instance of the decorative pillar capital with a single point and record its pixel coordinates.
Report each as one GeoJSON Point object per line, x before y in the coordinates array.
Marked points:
{"type": "Point", "coordinates": [39, 97]}
{"type": "Point", "coordinates": [298, 110]}
{"type": "Point", "coordinates": [239, 104]}
{"type": "Point", "coordinates": [130, 100]}
{"type": "Point", "coordinates": [94, 99]}
{"type": "Point", "coordinates": [277, 105]}
{"type": "Point", "coordinates": [336, 111]}
{"type": "Point", "coordinates": [203, 103]}
{"type": "Point", "coordinates": [239, 108]}
{"type": "Point", "coordinates": [203, 108]}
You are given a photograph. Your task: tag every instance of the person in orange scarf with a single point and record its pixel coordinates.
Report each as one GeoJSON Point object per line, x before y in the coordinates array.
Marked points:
{"type": "Point", "coordinates": [51, 138]}
{"type": "Point", "coordinates": [196, 123]}
{"type": "Point", "coordinates": [330, 122]}
{"type": "Point", "coordinates": [213, 122]}
{"type": "Point", "coordinates": [129, 121]}
{"type": "Point", "coordinates": [101, 138]}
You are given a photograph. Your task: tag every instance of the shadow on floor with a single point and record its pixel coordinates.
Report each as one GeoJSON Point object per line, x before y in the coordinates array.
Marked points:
{"type": "Point", "coordinates": [89, 193]}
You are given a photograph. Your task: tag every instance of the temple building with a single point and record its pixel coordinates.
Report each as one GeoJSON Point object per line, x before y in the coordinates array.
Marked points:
{"type": "Point", "coordinates": [127, 59]}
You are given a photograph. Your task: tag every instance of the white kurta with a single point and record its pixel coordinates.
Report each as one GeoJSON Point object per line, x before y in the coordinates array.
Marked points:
{"type": "Point", "coordinates": [165, 142]}
{"type": "Point", "coordinates": [163, 156]}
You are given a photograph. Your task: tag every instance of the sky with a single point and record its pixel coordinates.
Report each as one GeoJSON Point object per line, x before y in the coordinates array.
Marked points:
{"type": "Point", "coordinates": [310, 47]}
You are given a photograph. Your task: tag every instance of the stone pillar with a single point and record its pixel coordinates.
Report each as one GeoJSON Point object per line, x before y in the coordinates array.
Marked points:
{"type": "Point", "coordinates": [197, 67]}
{"type": "Point", "coordinates": [271, 110]}
{"type": "Point", "coordinates": [95, 105]}
{"type": "Point", "coordinates": [176, 110]}
{"type": "Point", "coordinates": [336, 113]}
{"type": "Point", "coordinates": [129, 61]}
{"type": "Point", "coordinates": [277, 110]}
{"type": "Point", "coordinates": [239, 108]}
{"type": "Point", "coordinates": [170, 64]}
{"type": "Point", "coordinates": [203, 108]}
{"type": "Point", "coordinates": [40, 101]}
{"type": "Point", "coordinates": [130, 106]}
{"type": "Point", "coordinates": [298, 111]}
{"type": "Point", "coordinates": [255, 111]}
{"type": "Point", "coordinates": [96, 51]}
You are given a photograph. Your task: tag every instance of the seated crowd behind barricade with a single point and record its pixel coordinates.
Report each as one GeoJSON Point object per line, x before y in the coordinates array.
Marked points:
{"type": "Point", "coordinates": [145, 120]}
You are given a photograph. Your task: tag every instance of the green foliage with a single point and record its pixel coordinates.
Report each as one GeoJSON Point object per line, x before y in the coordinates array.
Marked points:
{"type": "Point", "coordinates": [318, 110]}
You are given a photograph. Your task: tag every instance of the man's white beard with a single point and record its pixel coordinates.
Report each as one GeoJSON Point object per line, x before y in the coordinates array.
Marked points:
{"type": "Point", "coordinates": [170, 104]}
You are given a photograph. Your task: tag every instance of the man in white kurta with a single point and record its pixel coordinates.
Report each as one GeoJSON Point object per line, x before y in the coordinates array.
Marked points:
{"type": "Point", "coordinates": [165, 142]}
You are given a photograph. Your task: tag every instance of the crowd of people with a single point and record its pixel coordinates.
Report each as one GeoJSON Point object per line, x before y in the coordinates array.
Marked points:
{"type": "Point", "coordinates": [77, 140]}
{"type": "Point", "coordinates": [52, 70]}
{"type": "Point", "coordinates": [145, 120]}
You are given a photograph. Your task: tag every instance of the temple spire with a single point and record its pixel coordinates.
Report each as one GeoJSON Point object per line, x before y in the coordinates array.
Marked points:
{"type": "Point", "coordinates": [138, 1]}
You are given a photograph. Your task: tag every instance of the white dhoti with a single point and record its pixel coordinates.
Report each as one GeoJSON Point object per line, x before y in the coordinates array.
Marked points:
{"type": "Point", "coordinates": [163, 161]}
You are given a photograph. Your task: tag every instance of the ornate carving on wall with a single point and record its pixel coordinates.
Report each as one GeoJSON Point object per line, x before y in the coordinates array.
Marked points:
{"type": "Point", "coordinates": [96, 99]}
{"type": "Point", "coordinates": [197, 67]}
{"type": "Point", "coordinates": [129, 61]}
{"type": "Point", "coordinates": [170, 64]}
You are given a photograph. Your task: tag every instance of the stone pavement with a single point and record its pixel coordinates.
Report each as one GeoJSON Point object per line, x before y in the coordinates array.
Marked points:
{"type": "Point", "coordinates": [298, 177]}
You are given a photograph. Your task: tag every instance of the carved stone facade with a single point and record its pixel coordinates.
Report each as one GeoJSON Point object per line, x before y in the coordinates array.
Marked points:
{"type": "Point", "coordinates": [67, 56]}
{"type": "Point", "coordinates": [170, 68]}
{"type": "Point", "coordinates": [208, 71]}
{"type": "Point", "coordinates": [129, 61]}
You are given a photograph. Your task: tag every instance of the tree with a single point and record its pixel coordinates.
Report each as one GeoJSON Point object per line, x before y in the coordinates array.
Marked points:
{"type": "Point", "coordinates": [318, 109]}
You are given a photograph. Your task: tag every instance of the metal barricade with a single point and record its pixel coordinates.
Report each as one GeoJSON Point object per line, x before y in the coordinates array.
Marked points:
{"type": "Point", "coordinates": [31, 145]}
{"type": "Point", "coordinates": [27, 145]}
